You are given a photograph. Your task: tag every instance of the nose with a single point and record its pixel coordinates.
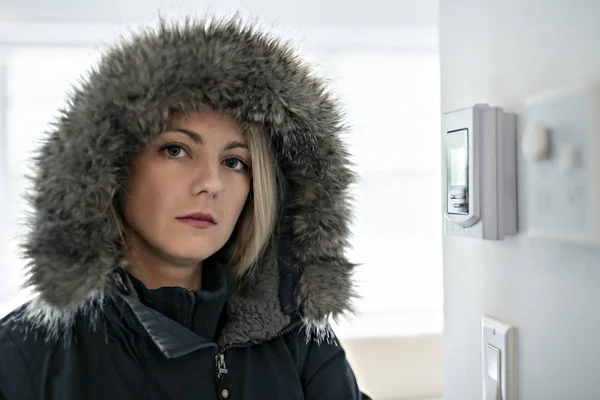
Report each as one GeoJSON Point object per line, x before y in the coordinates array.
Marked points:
{"type": "Point", "coordinates": [207, 178]}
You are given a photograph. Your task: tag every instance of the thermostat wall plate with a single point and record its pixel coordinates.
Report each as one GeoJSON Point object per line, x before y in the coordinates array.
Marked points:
{"type": "Point", "coordinates": [479, 173]}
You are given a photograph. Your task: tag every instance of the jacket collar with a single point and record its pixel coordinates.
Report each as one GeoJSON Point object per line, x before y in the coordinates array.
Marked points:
{"type": "Point", "coordinates": [253, 314]}
{"type": "Point", "coordinates": [199, 311]}
{"type": "Point", "coordinates": [170, 337]}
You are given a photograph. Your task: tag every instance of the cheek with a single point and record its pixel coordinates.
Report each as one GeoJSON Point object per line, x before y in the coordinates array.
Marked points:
{"type": "Point", "coordinates": [234, 199]}
{"type": "Point", "coordinates": [241, 195]}
{"type": "Point", "coordinates": [147, 197]}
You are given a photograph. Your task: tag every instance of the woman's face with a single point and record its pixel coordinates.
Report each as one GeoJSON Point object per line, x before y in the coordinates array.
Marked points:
{"type": "Point", "coordinates": [188, 188]}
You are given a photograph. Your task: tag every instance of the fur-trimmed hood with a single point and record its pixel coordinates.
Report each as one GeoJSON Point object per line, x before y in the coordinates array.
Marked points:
{"type": "Point", "coordinates": [72, 250]}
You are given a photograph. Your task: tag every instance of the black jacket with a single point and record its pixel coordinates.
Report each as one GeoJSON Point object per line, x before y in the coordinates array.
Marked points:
{"type": "Point", "coordinates": [152, 344]}
{"type": "Point", "coordinates": [95, 332]}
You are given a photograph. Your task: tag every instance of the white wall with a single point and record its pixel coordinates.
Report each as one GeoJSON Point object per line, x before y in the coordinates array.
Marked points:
{"type": "Point", "coordinates": [499, 51]}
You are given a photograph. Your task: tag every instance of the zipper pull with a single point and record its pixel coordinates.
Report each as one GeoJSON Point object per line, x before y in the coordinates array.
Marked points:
{"type": "Point", "coordinates": [222, 376]}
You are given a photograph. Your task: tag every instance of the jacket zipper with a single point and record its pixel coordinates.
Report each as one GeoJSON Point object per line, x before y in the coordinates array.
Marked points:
{"type": "Point", "coordinates": [222, 376]}
{"type": "Point", "coordinates": [222, 383]}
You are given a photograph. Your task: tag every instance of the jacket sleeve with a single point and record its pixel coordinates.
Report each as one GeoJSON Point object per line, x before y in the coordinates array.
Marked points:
{"type": "Point", "coordinates": [327, 375]}
{"type": "Point", "coordinates": [15, 378]}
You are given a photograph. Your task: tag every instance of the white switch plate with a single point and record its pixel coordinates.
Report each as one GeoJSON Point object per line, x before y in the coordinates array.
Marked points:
{"type": "Point", "coordinates": [561, 146]}
{"type": "Point", "coordinates": [498, 335]}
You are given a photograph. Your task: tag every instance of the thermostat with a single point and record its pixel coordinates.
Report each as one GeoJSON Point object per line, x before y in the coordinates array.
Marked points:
{"type": "Point", "coordinates": [479, 173]}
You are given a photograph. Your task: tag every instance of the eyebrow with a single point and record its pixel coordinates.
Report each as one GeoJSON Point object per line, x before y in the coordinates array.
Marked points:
{"type": "Point", "coordinates": [197, 138]}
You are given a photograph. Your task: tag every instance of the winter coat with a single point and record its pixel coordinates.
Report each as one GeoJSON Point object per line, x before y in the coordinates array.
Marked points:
{"type": "Point", "coordinates": [93, 331]}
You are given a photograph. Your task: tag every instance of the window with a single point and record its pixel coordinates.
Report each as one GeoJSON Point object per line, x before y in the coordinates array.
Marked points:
{"type": "Point", "coordinates": [391, 96]}
{"type": "Point", "coordinates": [392, 103]}
{"type": "Point", "coordinates": [31, 103]}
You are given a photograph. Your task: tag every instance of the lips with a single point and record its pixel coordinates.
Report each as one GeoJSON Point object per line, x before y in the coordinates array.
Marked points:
{"type": "Point", "coordinates": [198, 220]}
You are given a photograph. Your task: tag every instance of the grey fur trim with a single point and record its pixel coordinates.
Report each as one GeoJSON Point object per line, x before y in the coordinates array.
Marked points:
{"type": "Point", "coordinates": [253, 310]}
{"type": "Point", "coordinates": [125, 101]}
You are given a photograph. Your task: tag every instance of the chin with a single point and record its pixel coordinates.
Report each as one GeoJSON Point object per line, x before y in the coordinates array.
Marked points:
{"type": "Point", "coordinates": [189, 255]}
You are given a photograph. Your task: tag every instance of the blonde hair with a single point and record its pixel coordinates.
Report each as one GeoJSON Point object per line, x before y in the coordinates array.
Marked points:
{"type": "Point", "coordinates": [257, 220]}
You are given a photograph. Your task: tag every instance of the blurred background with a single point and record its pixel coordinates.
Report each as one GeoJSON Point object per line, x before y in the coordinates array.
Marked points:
{"type": "Point", "coordinates": [381, 58]}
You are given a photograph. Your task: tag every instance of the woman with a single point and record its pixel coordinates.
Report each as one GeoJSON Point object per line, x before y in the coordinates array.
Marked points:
{"type": "Point", "coordinates": [189, 229]}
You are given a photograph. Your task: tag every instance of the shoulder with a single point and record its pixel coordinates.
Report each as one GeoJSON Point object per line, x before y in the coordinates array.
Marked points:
{"type": "Point", "coordinates": [18, 349]}
{"type": "Point", "coordinates": [11, 327]}
{"type": "Point", "coordinates": [24, 341]}
{"type": "Point", "coordinates": [322, 364]}
{"type": "Point", "coordinates": [22, 331]}
{"type": "Point", "coordinates": [28, 355]}
{"type": "Point", "coordinates": [313, 348]}
{"type": "Point", "coordinates": [19, 338]}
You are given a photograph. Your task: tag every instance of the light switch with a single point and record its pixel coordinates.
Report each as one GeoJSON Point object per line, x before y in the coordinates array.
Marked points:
{"type": "Point", "coordinates": [498, 360]}
{"type": "Point", "coordinates": [492, 383]}
{"type": "Point", "coordinates": [536, 143]}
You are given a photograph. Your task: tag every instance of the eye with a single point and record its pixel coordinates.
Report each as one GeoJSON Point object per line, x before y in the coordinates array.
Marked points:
{"type": "Point", "coordinates": [235, 163]}
{"type": "Point", "coordinates": [174, 150]}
